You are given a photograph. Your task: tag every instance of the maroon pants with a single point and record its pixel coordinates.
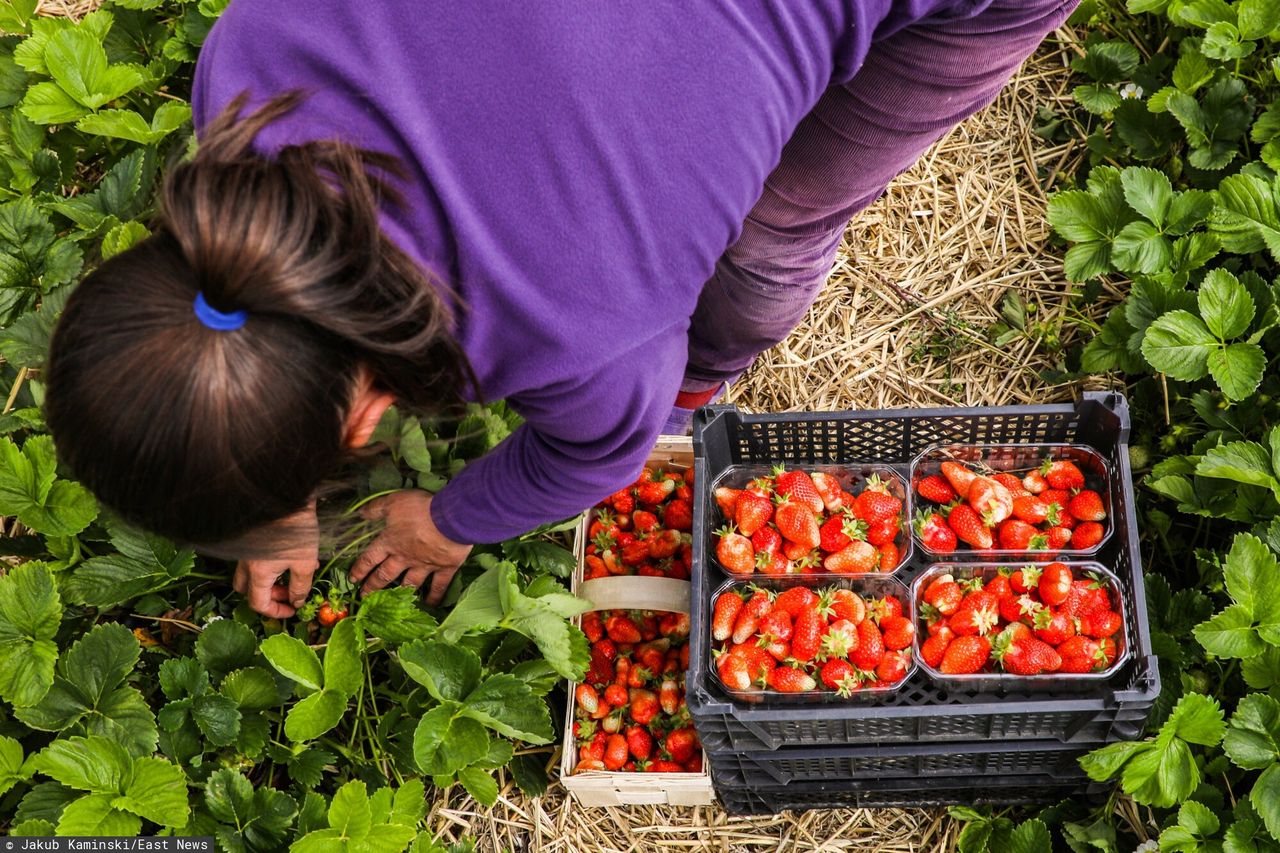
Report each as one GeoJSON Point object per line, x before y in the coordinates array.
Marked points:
{"type": "Point", "coordinates": [915, 86]}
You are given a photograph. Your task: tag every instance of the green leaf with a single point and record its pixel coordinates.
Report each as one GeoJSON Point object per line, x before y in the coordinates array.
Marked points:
{"type": "Point", "coordinates": [32, 829]}
{"type": "Point", "coordinates": [226, 645]}
{"type": "Point", "coordinates": [1250, 569]}
{"type": "Point", "coordinates": [530, 774]}
{"type": "Point", "coordinates": [93, 815]}
{"type": "Point", "coordinates": [146, 563]}
{"type": "Point", "coordinates": [1104, 763]}
{"type": "Point", "coordinates": [1267, 125]}
{"type": "Point", "coordinates": [95, 764]}
{"type": "Point", "coordinates": [1240, 461]}
{"type": "Point", "coordinates": [252, 689]}
{"type": "Point", "coordinates": [1030, 837]}
{"type": "Point", "coordinates": [78, 64]}
{"type": "Point", "coordinates": [1222, 41]}
{"type": "Point", "coordinates": [507, 705]}
{"type": "Point", "coordinates": [1225, 304]}
{"type": "Point", "coordinates": [1197, 719]}
{"type": "Point", "coordinates": [392, 614]}
{"type": "Point", "coordinates": [30, 613]}
{"type": "Point", "coordinates": [1141, 248]}
{"type": "Point", "coordinates": [480, 784]}
{"type": "Point", "coordinates": [1192, 71]}
{"type": "Point", "coordinates": [1262, 671]}
{"type": "Point", "coordinates": [1162, 777]}
{"type": "Point", "coordinates": [28, 489]}
{"type": "Point", "coordinates": [1203, 13]}
{"type": "Point", "coordinates": [261, 816]}
{"type": "Point", "coordinates": [127, 124]}
{"type": "Point", "coordinates": [124, 236]}
{"type": "Point", "coordinates": [11, 764]}
{"type": "Point", "coordinates": [1265, 797]}
{"type": "Point", "coordinates": [349, 812]}
{"type": "Point", "coordinates": [1084, 261]}
{"type": "Point", "coordinates": [218, 719]}
{"type": "Point", "coordinates": [1245, 218]}
{"type": "Point", "coordinates": [1195, 824]}
{"type": "Point", "coordinates": [314, 715]}
{"type": "Point", "coordinates": [1238, 369]}
{"type": "Point", "coordinates": [1149, 192]}
{"type": "Point", "coordinates": [46, 103]}
{"type": "Point", "coordinates": [1078, 216]}
{"type": "Point", "coordinates": [1098, 98]}
{"type": "Point", "coordinates": [1252, 740]}
{"type": "Point", "coordinates": [1107, 62]}
{"type": "Point", "coordinates": [343, 661]}
{"type": "Point", "coordinates": [293, 659]}
{"type": "Point", "coordinates": [1257, 18]}
{"type": "Point", "coordinates": [307, 767]}
{"type": "Point", "coordinates": [448, 672]}
{"type": "Point", "coordinates": [479, 608]}
{"type": "Point", "coordinates": [1179, 344]}
{"type": "Point", "coordinates": [156, 792]}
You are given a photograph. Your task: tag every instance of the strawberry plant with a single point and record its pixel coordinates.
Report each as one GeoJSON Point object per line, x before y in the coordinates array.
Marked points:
{"type": "Point", "coordinates": [138, 693]}
{"type": "Point", "coordinates": [1175, 211]}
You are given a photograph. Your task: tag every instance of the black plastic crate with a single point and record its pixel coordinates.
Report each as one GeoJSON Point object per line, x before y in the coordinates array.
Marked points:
{"type": "Point", "coordinates": [922, 711]}
{"type": "Point", "coordinates": [908, 793]}
{"type": "Point", "coordinates": [899, 761]}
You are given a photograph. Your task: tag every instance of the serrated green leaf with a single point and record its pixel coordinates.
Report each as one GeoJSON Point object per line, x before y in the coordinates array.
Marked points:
{"type": "Point", "coordinates": [1238, 369]}
{"type": "Point", "coordinates": [30, 612]}
{"type": "Point", "coordinates": [1149, 192]}
{"type": "Point", "coordinates": [392, 614]}
{"type": "Point", "coordinates": [1030, 837]}
{"type": "Point", "coordinates": [1240, 461]}
{"type": "Point", "coordinates": [1162, 776]}
{"type": "Point", "coordinates": [93, 764]}
{"type": "Point", "coordinates": [1179, 345]}
{"type": "Point", "coordinates": [1192, 71]}
{"type": "Point", "coordinates": [260, 817]}
{"type": "Point", "coordinates": [226, 645]}
{"type": "Point", "coordinates": [448, 672]}
{"type": "Point", "coordinates": [1222, 41]}
{"type": "Point", "coordinates": [1141, 248]}
{"type": "Point", "coordinates": [1104, 763]}
{"type": "Point", "coordinates": [1262, 671]}
{"type": "Point", "coordinates": [32, 829]}
{"type": "Point", "coordinates": [1204, 13]}
{"type": "Point", "coordinates": [93, 815]}
{"type": "Point", "coordinates": [252, 689]}
{"type": "Point", "coordinates": [480, 784]}
{"type": "Point", "coordinates": [183, 677]}
{"type": "Point", "coordinates": [1246, 219]}
{"type": "Point", "coordinates": [1098, 98]}
{"type": "Point", "coordinates": [343, 663]}
{"type": "Point", "coordinates": [1265, 797]}
{"type": "Point", "coordinates": [507, 705]}
{"type": "Point", "coordinates": [1252, 740]}
{"type": "Point", "coordinates": [1084, 261]}
{"type": "Point", "coordinates": [1078, 216]}
{"type": "Point", "coordinates": [1257, 18]}
{"type": "Point", "coordinates": [121, 237]}
{"type": "Point", "coordinates": [1225, 304]}
{"type": "Point", "coordinates": [541, 557]}
{"type": "Point", "coordinates": [11, 763]}
{"type": "Point", "coordinates": [156, 792]}
{"type": "Point", "coordinates": [218, 719]}
{"type": "Point", "coordinates": [1197, 719]}
{"type": "Point", "coordinates": [307, 767]}
{"type": "Point", "coordinates": [293, 659]}
{"type": "Point", "coordinates": [314, 715]}
{"type": "Point", "coordinates": [28, 490]}
{"type": "Point", "coordinates": [46, 103]}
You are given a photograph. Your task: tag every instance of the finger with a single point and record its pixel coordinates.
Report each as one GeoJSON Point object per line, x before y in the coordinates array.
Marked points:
{"type": "Point", "coordinates": [240, 580]}
{"type": "Point", "coordinates": [279, 592]}
{"type": "Point", "coordinates": [374, 510]}
{"type": "Point", "coordinates": [300, 582]}
{"type": "Point", "coordinates": [439, 583]}
{"type": "Point", "coordinates": [388, 570]}
{"type": "Point", "coordinates": [415, 577]}
{"type": "Point", "coordinates": [372, 556]}
{"type": "Point", "coordinates": [261, 585]}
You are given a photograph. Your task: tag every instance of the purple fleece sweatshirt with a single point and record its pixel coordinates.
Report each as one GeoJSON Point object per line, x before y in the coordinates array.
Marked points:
{"type": "Point", "coordinates": [576, 168]}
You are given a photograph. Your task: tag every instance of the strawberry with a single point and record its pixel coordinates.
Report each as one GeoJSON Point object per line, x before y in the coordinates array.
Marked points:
{"type": "Point", "coordinates": [1062, 474]}
{"type": "Point", "coordinates": [1025, 579]}
{"type": "Point", "coordinates": [933, 648]}
{"type": "Point", "coordinates": [752, 512]}
{"type": "Point", "coordinates": [893, 667]}
{"type": "Point", "coordinates": [727, 500]}
{"type": "Point", "coordinates": [944, 594]}
{"type": "Point", "coordinates": [734, 551]}
{"type": "Point", "coordinates": [777, 649]}
{"type": "Point", "coordinates": [622, 630]}
{"type": "Point", "coordinates": [795, 600]}
{"type": "Point", "coordinates": [887, 607]}
{"type": "Point", "coordinates": [644, 706]}
{"type": "Point", "coordinates": [794, 550]}
{"type": "Point", "coordinates": [1061, 497]}
{"type": "Point", "coordinates": [592, 626]}
{"type": "Point", "coordinates": [1010, 482]}
{"type": "Point", "coordinates": [662, 765]}
{"type": "Point", "coordinates": [664, 544]}
{"type": "Point", "coordinates": [836, 532]}
{"type": "Point", "coordinates": [615, 695]}
{"type": "Point", "coordinates": [840, 639]}
{"type": "Point", "coordinates": [999, 585]}
{"type": "Point", "coordinates": [1034, 482]}
{"type": "Point", "coordinates": [766, 540]}
{"type": "Point", "coordinates": [788, 679]}
{"type": "Point", "coordinates": [760, 662]}
{"type": "Point", "coordinates": [834, 673]}
{"type": "Point", "coordinates": [978, 613]}
{"type": "Point", "coordinates": [890, 556]}
{"type": "Point", "coordinates": [857, 558]}
{"type": "Point", "coordinates": [885, 530]}
{"type": "Point", "coordinates": [776, 625]}
{"type": "Point", "coordinates": [1055, 584]}
{"type": "Point", "coordinates": [1094, 598]}
{"type": "Point", "coordinates": [1019, 608]}
{"type": "Point", "coordinates": [681, 744]}
{"type": "Point", "coordinates": [1101, 625]}
{"type": "Point", "coordinates": [1029, 657]}
{"type": "Point", "coordinates": [615, 752]}
{"type": "Point", "coordinates": [1087, 506]}
{"type": "Point", "coordinates": [654, 492]}
{"type": "Point", "coordinates": [845, 604]}
{"type": "Point", "coordinates": [1087, 535]}
{"type": "Point", "coordinates": [798, 486]}
{"type": "Point", "coordinates": [587, 697]}
{"type": "Point", "coordinates": [875, 504]}
{"type": "Point", "coordinates": [643, 521]}
{"type": "Point", "coordinates": [639, 743]}
{"type": "Point", "coordinates": [623, 501]}
{"type": "Point", "coordinates": [1030, 509]}
{"type": "Point", "coordinates": [1080, 654]}
{"type": "Point", "coordinates": [1017, 535]}
{"type": "Point", "coordinates": [797, 522]}
{"type": "Point", "coordinates": [806, 635]}
{"type": "Point", "coordinates": [990, 500]}
{"type": "Point", "coordinates": [958, 476]}
{"type": "Point", "coordinates": [678, 515]}
{"type": "Point", "coordinates": [829, 489]}
{"type": "Point", "coordinates": [725, 614]}
{"type": "Point", "coordinates": [1058, 538]}
{"type": "Point", "coordinates": [1053, 627]}
{"type": "Point", "coordinates": [774, 564]}
{"type": "Point", "coordinates": [870, 647]}
{"type": "Point", "coordinates": [965, 655]}
{"type": "Point", "coordinates": [969, 527]}
{"type": "Point", "coordinates": [1108, 650]}
{"type": "Point", "coordinates": [936, 489]}
{"type": "Point", "coordinates": [935, 534]}
{"type": "Point", "coordinates": [898, 632]}
{"type": "Point", "coordinates": [762, 487]}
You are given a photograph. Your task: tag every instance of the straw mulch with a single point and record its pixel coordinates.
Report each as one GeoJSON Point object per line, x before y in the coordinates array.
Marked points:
{"type": "Point", "coordinates": [903, 321]}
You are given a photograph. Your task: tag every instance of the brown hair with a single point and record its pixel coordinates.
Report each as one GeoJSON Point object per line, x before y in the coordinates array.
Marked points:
{"type": "Point", "coordinates": [202, 435]}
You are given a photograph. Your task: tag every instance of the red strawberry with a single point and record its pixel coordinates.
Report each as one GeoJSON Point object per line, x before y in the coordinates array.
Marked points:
{"type": "Point", "coordinates": [745, 626]}
{"type": "Point", "coordinates": [733, 672]}
{"type": "Point", "coordinates": [654, 492]}
{"type": "Point", "coordinates": [639, 743]}
{"type": "Point", "coordinates": [835, 672]}
{"type": "Point", "coordinates": [840, 639]}
{"type": "Point", "coordinates": [1019, 608]}
{"type": "Point", "coordinates": [978, 613]}
{"type": "Point", "coordinates": [1101, 625]}
{"type": "Point", "coordinates": [844, 604]}
{"type": "Point", "coordinates": [958, 476]}
{"type": "Point", "coordinates": [1058, 538]}
{"type": "Point", "coordinates": [795, 600]}
{"type": "Point", "coordinates": [836, 532]}
{"type": "Point", "coordinates": [734, 551]}
{"type": "Point", "coordinates": [725, 614]}
{"type": "Point", "coordinates": [766, 540]}
{"type": "Point", "coordinates": [776, 624]}
{"type": "Point", "coordinates": [727, 500]}
{"type": "Point", "coordinates": [933, 648]}
{"type": "Point", "coordinates": [870, 647]}
{"type": "Point", "coordinates": [944, 594]}
{"type": "Point", "coordinates": [890, 556]}
{"type": "Point", "coordinates": [678, 515]}
{"type": "Point", "coordinates": [875, 504]}
{"type": "Point", "coordinates": [1025, 579]}
{"type": "Point", "coordinates": [883, 531]}
{"type": "Point", "coordinates": [1055, 584]}
{"type": "Point", "coordinates": [806, 635]}
{"type": "Point", "coordinates": [664, 544]}
{"type": "Point", "coordinates": [622, 630]}
{"type": "Point", "coordinates": [936, 489]}
{"type": "Point", "coordinates": [1053, 627]}
{"type": "Point", "coordinates": [681, 744]}
{"type": "Point", "coordinates": [798, 486]}
{"type": "Point", "coordinates": [773, 564]}
{"type": "Point", "coordinates": [1108, 649]}
{"type": "Point", "coordinates": [829, 489]}
{"type": "Point", "coordinates": [1094, 598]}
{"type": "Point", "coordinates": [1010, 482]}
{"type": "Point", "coordinates": [788, 679]}
{"type": "Point", "coordinates": [898, 632]}
{"type": "Point", "coordinates": [1087, 506]}
{"type": "Point", "coordinates": [776, 649]}
{"type": "Point", "coordinates": [798, 523]}
{"type": "Point", "coordinates": [1087, 535]}
{"type": "Point", "coordinates": [761, 486]}
{"type": "Point", "coordinates": [935, 534]}
{"type": "Point", "coordinates": [623, 501]}
{"type": "Point", "coordinates": [1029, 657]}
{"type": "Point", "coordinates": [1018, 535]}
{"type": "Point", "coordinates": [1034, 482]}
{"type": "Point", "coordinates": [752, 512]}
{"type": "Point", "coordinates": [1062, 474]}
{"type": "Point", "coordinates": [643, 521]}
{"type": "Point", "coordinates": [999, 585]}
{"type": "Point", "coordinates": [965, 655]}
{"type": "Point", "coordinates": [1030, 509]}
{"type": "Point", "coordinates": [616, 695]}
{"type": "Point", "coordinates": [615, 752]}
{"type": "Point", "coordinates": [592, 626]}
{"type": "Point", "coordinates": [794, 550]}
{"type": "Point", "coordinates": [887, 607]}
{"type": "Point", "coordinates": [969, 527]}
{"type": "Point", "coordinates": [857, 558]}
{"type": "Point", "coordinates": [760, 661]}
{"type": "Point", "coordinates": [664, 766]}
{"type": "Point", "coordinates": [893, 667]}
{"type": "Point", "coordinates": [992, 501]}
{"type": "Point", "coordinates": [1061, 497]}
{"type": "Point", "coordinates": [1080, 654]}
{"type": "Point", "coordinates": [587, 697]}
{"type": "Point", "coordinates": [644, 706]}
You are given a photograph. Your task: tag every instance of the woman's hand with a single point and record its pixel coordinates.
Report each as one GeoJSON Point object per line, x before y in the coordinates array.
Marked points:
{"type": "Point", "coordinates": [409, 545]}
{"type": "Point", "coordinates": [257, 578]}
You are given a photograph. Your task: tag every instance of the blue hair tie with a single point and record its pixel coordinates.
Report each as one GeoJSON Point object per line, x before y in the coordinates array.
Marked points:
{"type": "Point", "coordinates": [219, 321]}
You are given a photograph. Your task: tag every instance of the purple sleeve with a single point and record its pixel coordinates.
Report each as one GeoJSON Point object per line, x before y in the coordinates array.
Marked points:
{"type": "Point", "coordinates": [580, 442]}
